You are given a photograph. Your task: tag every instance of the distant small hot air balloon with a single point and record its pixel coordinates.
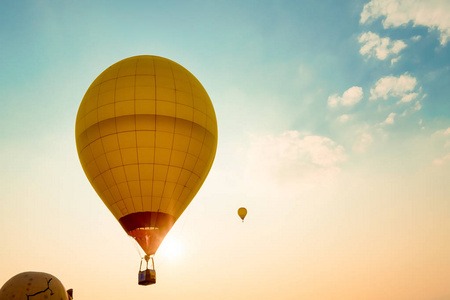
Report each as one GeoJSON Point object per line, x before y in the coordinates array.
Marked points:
{"type": "Point", "coordinates": [242, 212]}
{"type": "Point", "coordinates": [146, 135]}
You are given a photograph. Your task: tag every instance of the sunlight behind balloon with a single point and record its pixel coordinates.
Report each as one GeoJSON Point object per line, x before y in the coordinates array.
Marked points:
{"type": "Point", "coordinates": [171, 248]}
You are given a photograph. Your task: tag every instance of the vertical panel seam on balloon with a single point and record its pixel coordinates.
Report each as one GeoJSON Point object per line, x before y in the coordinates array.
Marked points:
{"type": "Point", "coordinates": [154, 136]}
{"type": "Point", "coordinates": [101, 138]}
{"type": "Point", "coordinates": [173, 134]}
{"type": "Point", "coordinates": [118, 142]}
{"type": "Point", "coordinates": [189, 143]}
{"type": "Point", "coordinates": [135, 136]}
{"type": "Point", "coordinates": [117, 139]}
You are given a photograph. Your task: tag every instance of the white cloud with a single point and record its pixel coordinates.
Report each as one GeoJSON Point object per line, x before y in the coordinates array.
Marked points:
{"type": "Point", "coordinates": [391, 86]}
{"type": "Point", "coordinates": [390, 119]}
{"type": "Point", "coordinates": [409, 97]}
{"type": "Point", "coordinates": [363, 142]}
{"type": "Point", "coordinates": [394, 60]}
{"type": "Point", "coordinates": [343, 118]}
{"type": "Point", "coordinates": [333, 100]}
{"type": "Point", "coordinates": [441, 132]}
{"type": "Point", "coordinates": [417, 106]}
{"type": "Point", "coordinates": [349, 98]}
{"type": "Point", "coordinates": [293, 156]}
{"type": "Point", "coordinates": [434, 14]}
{"type": "Point", "coordinates": [442, 160]}
{"type": "Point", "coordinates": [442, 137]}
{"type": "Point", "coordinates": [378, 47]}
{"type": "Point", "coordinates": [416, 37]}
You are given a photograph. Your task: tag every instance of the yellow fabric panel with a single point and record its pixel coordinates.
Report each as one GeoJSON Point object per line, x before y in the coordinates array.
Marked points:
{"type": "Point", "coordinates": [160, 173]}
{"type": "Point", "coordinates": [129, 203]}
{"type": "Point", "coordinates": [127, 68]}
{"type": "Point", "coordinates": [146, 155]}
{"type": "Point", "coordinates": [184, 97]}
{"type": "Point", "coordinates": [126, 123]}
{"type": "Point", "coordinates": [146, 188]}
{"type": "Point", "coordinates": [165, 108]}
{"type": "Point", "coordinates": [146, 135]}
{"type": "Point", "coordinates": [146, 173]}
{"type": "Point", "coordinates": [177, 158]}
{"type": "Point", "coordinates": [102, 163]}
{"type": "Point", "coordinates": [106, 112]}
{"type": "Point", "coordinates": [107, 87]}
{"type": "Point", "coordinates": [119, 175]}
{"type": "Point", "coordinates": [184, 112]}
{"type": "Point", "coordinates": [109, 179]}
{"type": "Point", "coordinates": [145, 92]}
{"type": "Point", "coordinates": [147, 203]}
{"type": "Point", "coordinates": [137, 203]}
{"type": "Point", "coordinates": [189, 162]}
{"type": "Point", "coordinates": [123, 108]}
{"type": "Point", "coordinates": [145, 106]}
{"type": "Point", "coordinates": [145, 139]}
{"type": "Point", "coordinates": [200, 118]}
{"type": "Point", "coordinates": [110, 73]}
{"type": "Point", "coordinates": [116, 194]}
{"type": "Point", "coordinates": [145, 67]}
{"type": "Point", "coordinates": [158, 187]}
{"type": "Point", "coordinates": [146, 121]}
{"type": "Point", "coordinates": [114, 158]}
{"type": "Point", "coordinates": [199, 167]}
{"type": "Point", "coordinates": [164, 139]}
{"type": "Point", "coordinates": [135, 190]}
{"type": "Point", "coordinates": [162, 156]}
{"type": "Point", "coordinates": [106, 127]}
{"type": "Point", "coordinates": [172, 174]}
{"type": "Point", "coordinates": [165, 83]}
{"type": "Point", "coordinates": [106, 194]}
{"type": "Point", "coordinates": [169, 187]}
{"type": "Point", "coordinates": [184, 176]}
{"type": "Point", "coordinates": [132, 173]}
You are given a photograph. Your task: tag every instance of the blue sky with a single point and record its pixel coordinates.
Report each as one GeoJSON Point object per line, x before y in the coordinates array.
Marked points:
{"type": "Point", "coordinates": [334, 124]}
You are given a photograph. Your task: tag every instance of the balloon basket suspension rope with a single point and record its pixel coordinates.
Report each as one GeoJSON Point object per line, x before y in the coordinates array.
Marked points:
{"type": "Point", "coordinates": [147, 275]}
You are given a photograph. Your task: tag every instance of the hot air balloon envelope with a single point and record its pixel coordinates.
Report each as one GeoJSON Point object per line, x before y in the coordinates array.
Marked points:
{"type": "Point", "coordinates": [146, 135]}
{"type": "Point", "coordinates": [242, 212]}
{"type": "Point", "coordinates": [34, 285]}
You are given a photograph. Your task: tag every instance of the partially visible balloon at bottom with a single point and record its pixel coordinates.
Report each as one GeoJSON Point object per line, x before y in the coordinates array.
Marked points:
{"type": "Point", "coordinates": [34, 286]}
{"type": "Point", "coordinates": [242, 212]}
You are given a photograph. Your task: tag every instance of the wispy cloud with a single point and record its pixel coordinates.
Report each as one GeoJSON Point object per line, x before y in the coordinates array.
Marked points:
{"type": "Point", "coordinates": [293, 156]}
{"type": "Point", "coordinates": [399, 87]}
{"type": "Point", "coordinates": [381, 48]}
{"type": "Point", "coordinates": [442, 160]}
{"type": "Point", "coordinates": [442, 137]}
{"type": "Point", "coordinates": [434, 14]}
{"type": "Point", "coordinates": [409, 97]}
{"type": "Point", "coordinates": [394, 60]}
{"type": "Point", "coordinates": [343, 118]}
{"type": "Point", "coordinates": [389, 120]}
{"type": "Point", "coordinates": [362, 143]}
{"type": "Point", "coordinates": [349, 98]}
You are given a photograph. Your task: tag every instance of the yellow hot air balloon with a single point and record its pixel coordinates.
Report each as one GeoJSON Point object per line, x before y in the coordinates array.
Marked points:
{"type": "Point", "coordinates": [34, 285]}
{"type": "Point", "coordinates": [242, 212]}
{"type": "Point", "coordinates": [146, 135]}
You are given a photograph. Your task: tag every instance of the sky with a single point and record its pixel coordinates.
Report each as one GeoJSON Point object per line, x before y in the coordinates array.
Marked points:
{"type": "Point", "coordinates": [334, 133]}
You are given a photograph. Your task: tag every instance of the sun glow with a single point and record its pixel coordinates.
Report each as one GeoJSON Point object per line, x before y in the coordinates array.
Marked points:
{"type": "Point", "coordinates": [171, 248]}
